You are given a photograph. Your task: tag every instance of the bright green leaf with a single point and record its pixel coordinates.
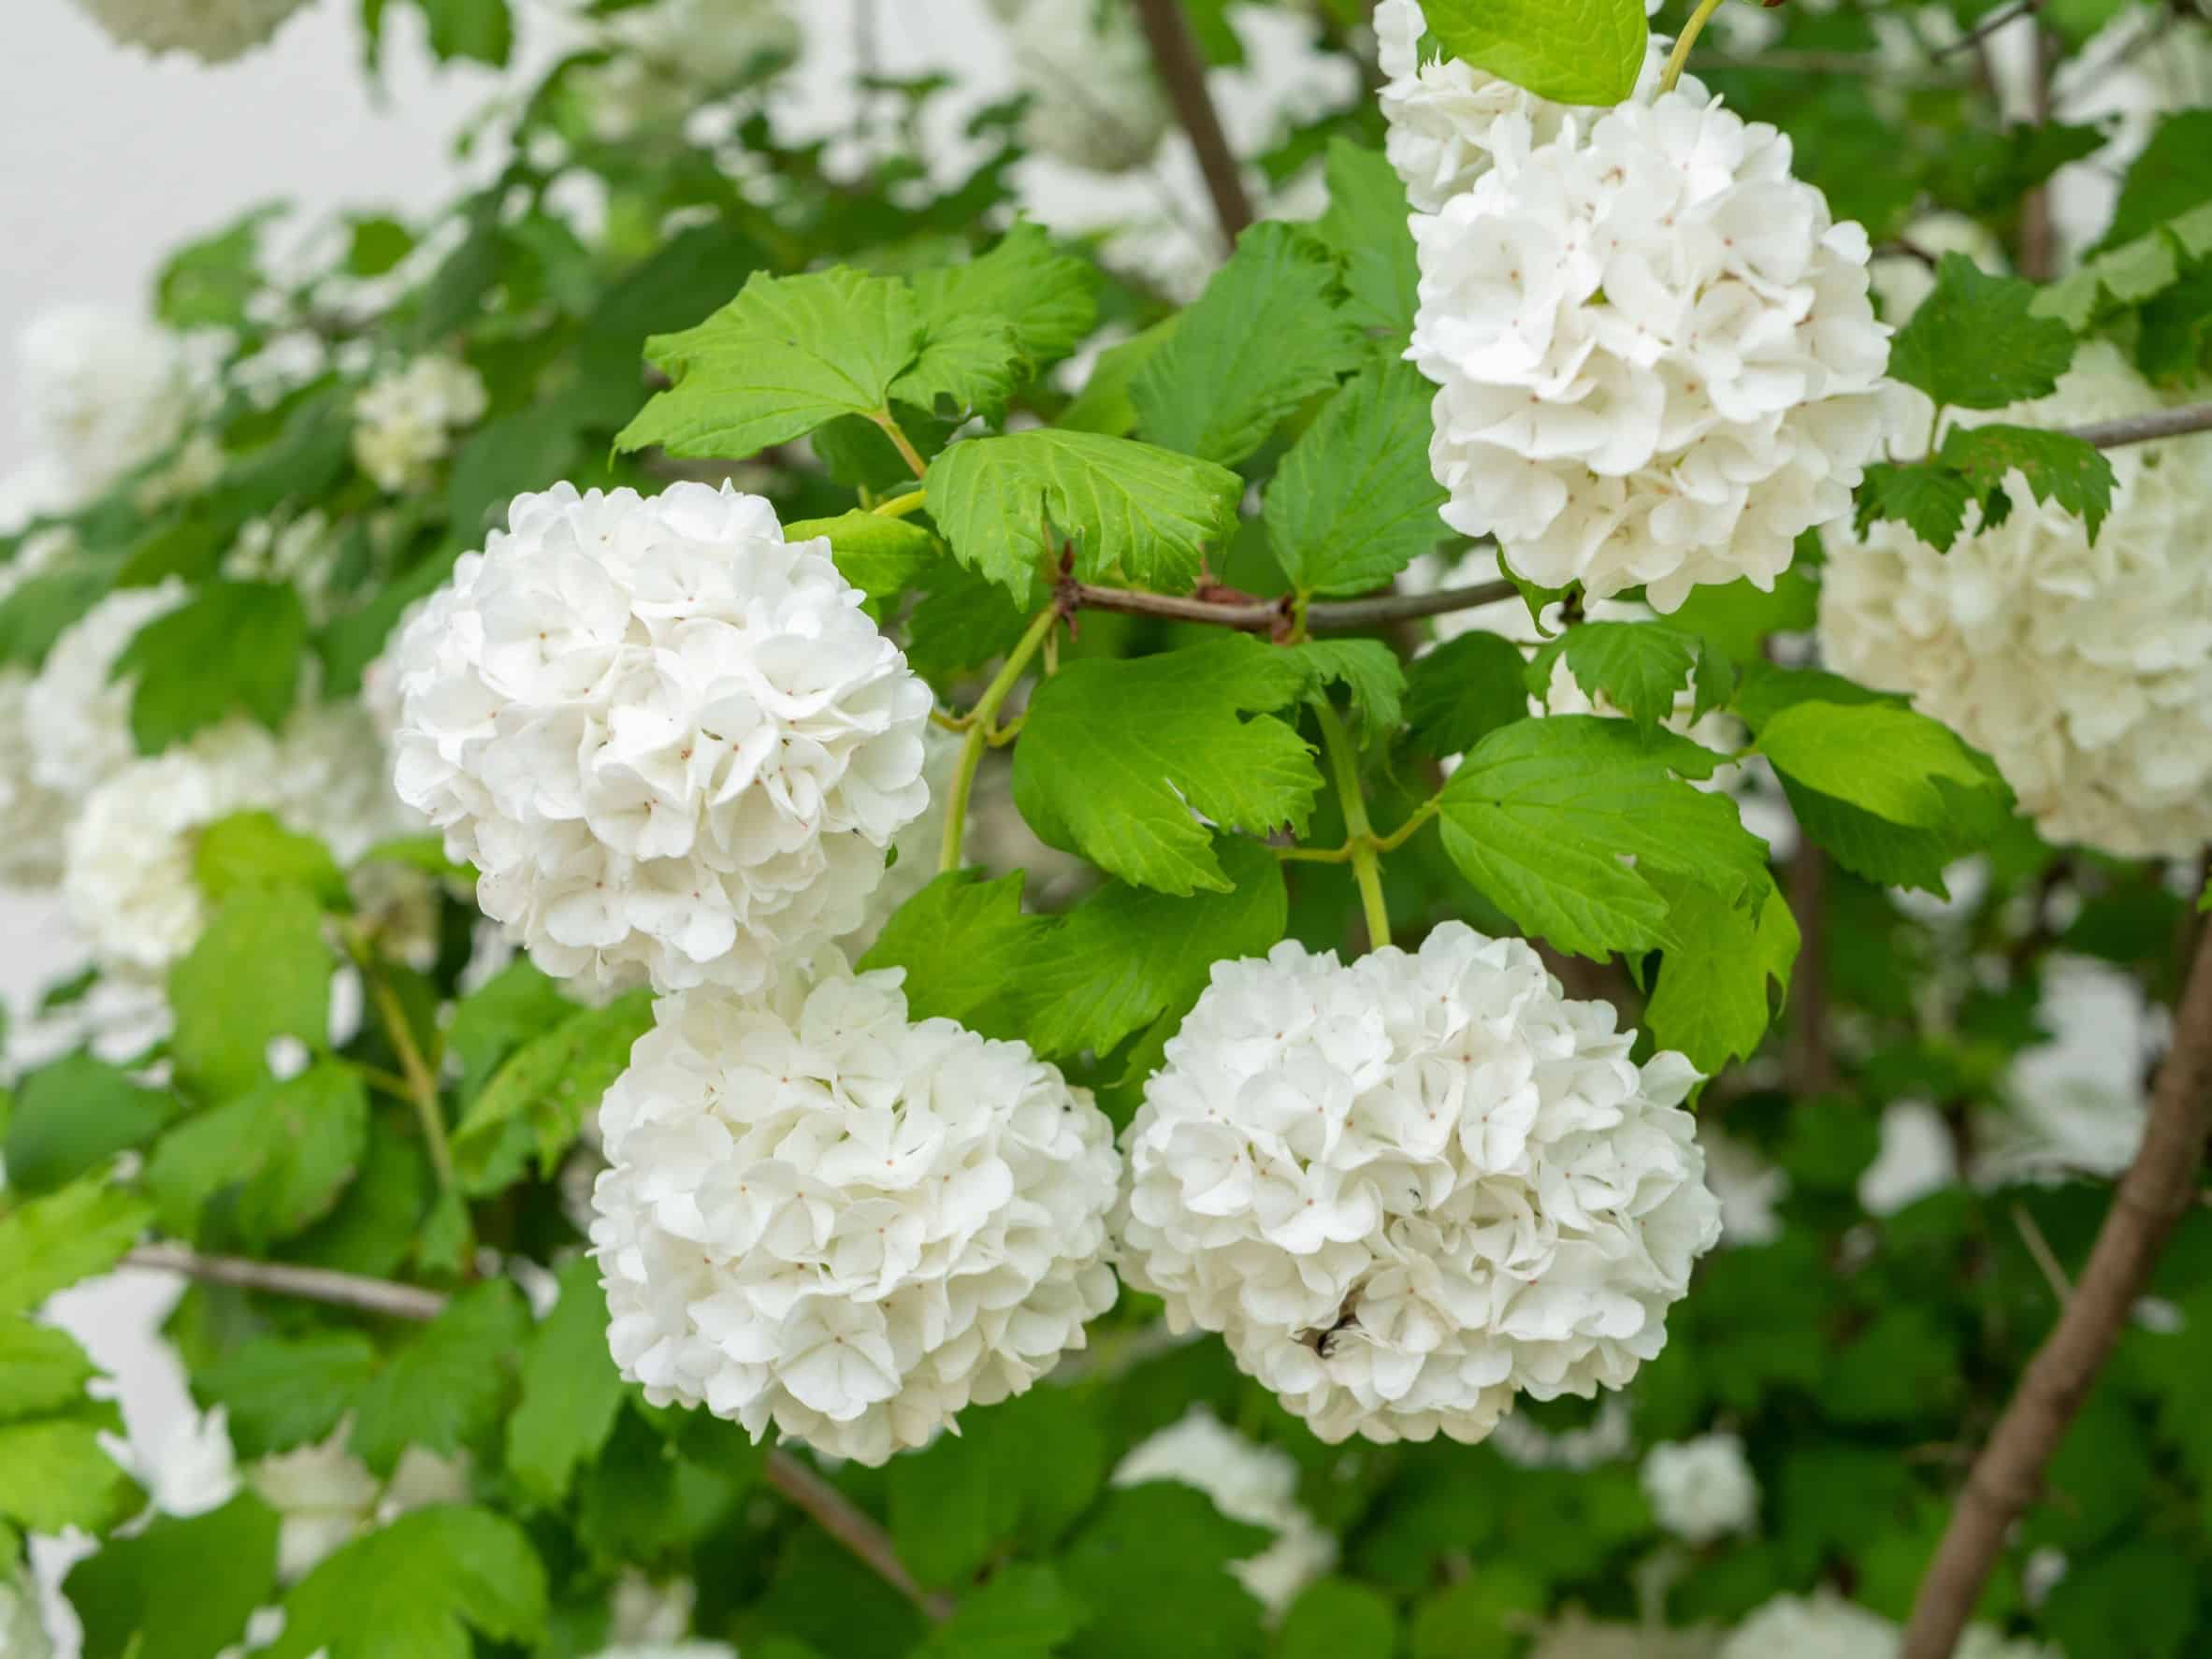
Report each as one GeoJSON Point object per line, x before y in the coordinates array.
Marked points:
{"type": "Point", "coordinates": [252, 850]}
{"type": "Point", "coordinates": [1353, 502]}
{"type": "Point", "coordinates": [282, 1392]}
{"type": "Point", "coordinates": [1369, 671]}
{"type": "Point", "coordinates": [571, 1390]}
{"type": "Point", "coordinates": [1337, 1619]}
{"type": "Point", "coordinates": [1712, 1001]}
{"type": "Point", "coordinates": [2055, 466]}
{"type": "Point", "coordinates": [279, 1157]}
{"type": "Point", "coordinates": [414, 1589]}
{"type": "Point", "coordinates": [1366, 227]}
{"type": "Point", "coordinates": [182, 1589]}
{"type": "Point", "coordinates": [43, 1370]}
{"type": "Point", "coordinates": [1638, 666]}
{"type": "Point", "coordinates": [1882, 759]}
{"type": "Point", "coordinates": [55, 1474]}
{"type": "Point", "coordinates": [51, 1243]}
{"type": "Point", "coordinates": [233, 646]}
{"type": "Point", "coordinates": [535, 1102]}
{"type": "Point", "coordinates": [261, 971]}
{"type": "Point", "coordinates": [449, 1383]}
{"type": "Point", "coordinates": [1103, 405]}
{"type": "Point", "coordinates": [881, 556]}
{"type": "Point", "coordinates": [1572, 52]}
{"type": "Point", "coordinates": [73, 1115]}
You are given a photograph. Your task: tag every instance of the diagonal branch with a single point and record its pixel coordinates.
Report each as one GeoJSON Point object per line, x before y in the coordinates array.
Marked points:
{"type": "Point", "coordinates": [2145, 428]}
{"type": "Point", "coordinates": [1183, 72]}
{"type": "Point", "coordinates": [1259, 616]}
{"type": "Point", "coordinates": [2149, 1202]}
{"type": "Point", "coordinates": [807, 1491]}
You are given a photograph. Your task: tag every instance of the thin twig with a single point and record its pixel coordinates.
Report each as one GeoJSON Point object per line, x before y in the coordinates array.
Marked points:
{"type": "Point", "coordinates": [2145, 428]}
{"type": "Point", "coordinates": [1183, 72]}
{"type": "Point", "coordinates": [2159, 1187]}
{"type": "Point", "coordinates": [1261, 616]}
{"type": "Point", "coordinates": [828, 1507]}
{"type": "Point", "coordinates": [1989, 26]}
{"type": "Point", "coordinates": [2039, 1249]}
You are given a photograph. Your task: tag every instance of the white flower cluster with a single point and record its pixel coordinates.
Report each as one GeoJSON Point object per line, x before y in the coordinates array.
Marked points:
{"type": "Point", "coordinates": [1655, 358]}
{"type": "Point", "coordinates": [103, 393]}
{"type": "Point", "coordinates": [1406, 1189]}
{"type": "Point", "coordinates": [405, 422]}
{"type": "Point", "coordinates": [672, 742]}
{"type": "Point", "coordinates": [1526, 1444]}
{"type": "Point", "coordinates": [23, 1631]}
{"type": "Point", "coordinates": [32, 817]}
{"type": "Point", "coordinates": [214, 31]}
{"type": "Point", "coordinates": [1095, 102]}
{"type": "Point", "coordinates": [2084, 670]}
{"type": "Point", "coordinates": [1248, 1483]}
{"type": "Point", "coordinates": [1703, 1488]}
{"type": "Point", "coordinates": [824, 1215]}
{"type": "Point", "coordinates": [1826, 1626]}
{"type": "Point", "coordinates": [689, 49]}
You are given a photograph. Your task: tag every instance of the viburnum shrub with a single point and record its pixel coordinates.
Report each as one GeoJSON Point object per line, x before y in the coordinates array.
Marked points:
{"type": "Point", "coordinates": [1446, 906]}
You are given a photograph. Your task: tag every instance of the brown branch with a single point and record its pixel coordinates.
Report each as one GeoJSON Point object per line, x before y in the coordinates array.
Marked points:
{"type": "Point", "coordinates": [822, 1503]}
{"type": "Point", "coordinates": [2151, 1198]}
{"type": "Point", "coordinates": [2145, 428]}
{"type": "Point", "coordinates": [1811, 1070]}
{"type": "Point", "coordinates": [1183, 72]}
{"type": "Point", "coordinates": [1259, 616]}
{"type": "Point", "coordinates": [1989, 26]}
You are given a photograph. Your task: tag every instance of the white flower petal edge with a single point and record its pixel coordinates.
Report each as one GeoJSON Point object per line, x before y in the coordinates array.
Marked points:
{"type": "Point", "coordinates": [1824, 1626]}
{"type": "Point", "coordinates": [1408, 1189]}
{"type": "Point", "coordinates": [671, 742]}
{"type": "Point", "coordinates": [1703, 1488]}
{"type": "Point", "coordinates": [821, 1215]}
{"type": "Point", "coordinates": [2084, 671]}
{"type": "Point", "coordinates": [1656, 358]}
{"type": "Point", "coordinates": [1248, 1482]}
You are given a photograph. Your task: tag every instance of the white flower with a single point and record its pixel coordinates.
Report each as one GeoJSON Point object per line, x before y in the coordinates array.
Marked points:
{"type": "Point", "coordinates": [303, 553]}
{"type": "Point", "coordinates": [1577, 1636]}
{"type": "Point", "coordinates": [1096, 101]}
{"type": "Point", "coordinates": [1248, 1483]}
{"type": "Point", "coordinates": [1747, 1186]}
{"type": "Point", "coordinates": [671, 742]}
{"type": "Point", "coordinates": [1526, 1444]}
{"type": "Point", "coordinates": [127, 873]}
{"type": "Point", "coordinates": [1405, 1189]}
{"type": "Point", "coordinates": [2078, 1103]}
{"type": "Point", "coordinates": [822, 1216]}
{"type": "Point", "coordinates": [212, 31]}
{"type": "Point", "coordinates": [2084, 671]}
{"type": "Point", "coordinates": [1656, 358]}
{"type": "Point", "coordinates": [917, 846]}
{"type": "Point", "coordinates": [404, 422]}
{"type": "Point", "coordinates": [1826, 1626]}
{"type": "Point", "coordinates": [644, 1611]}
{"type": "Point", "coordinates": [692, 49]}
{"type": "Point", "coordinates": [78, 711]}
{"type": "Point", "coordinates": [1915, 1158]}
{"type": "Point", "coordinates": [193, 1469]}
{"type": "Point", "coordinates": [103, 392]}
{"type": "Point", "coordinates": [324, 1496]}
{"type": "Point", "coordinates": [1703, 1488]}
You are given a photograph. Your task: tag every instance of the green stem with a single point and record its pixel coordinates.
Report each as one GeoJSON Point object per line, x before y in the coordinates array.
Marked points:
{"type": "Point", "coordinates": [1367, 864]}
{"type": "Point", "coordinates": [422, 1083]}
{"type": "Point", "coordinates": [979, 733]}
{"type": "Point", "coordinates": [1681, 54]}
{"type": "Point", "coordinates": [907, 453]}
{"type": "Point", "coordinates": [898, 506]}
{"type": "Point", "coordinates": [1411, 827]}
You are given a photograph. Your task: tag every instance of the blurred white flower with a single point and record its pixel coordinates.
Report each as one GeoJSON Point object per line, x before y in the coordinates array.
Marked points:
{"type": "Point", "coordinates": [667, 55]}
{"type": "Point", "coordinates": [1605, 1438]}
{"type": "Point", "coordinates": [79, 711]}
{"type": "Point", "coordinates": [1746, 1184]}
{"type": "Point", "coordinates": [1703, 1488]}
{"type": "Point", "coordinates": [405, 422]}
{"type": "Point", "coordinates": [103, 392]}
{"type": "Point", "coordinates": [1826, 1626]}
{"type": "Point", "coordinates": [212, 31]}
{"type": "Point", "coordinates": [1095, 102]}
{"type": "Point", "coordinates": [1917, 1158]}
{"type": "Point", "coordinates": [324, 1496]}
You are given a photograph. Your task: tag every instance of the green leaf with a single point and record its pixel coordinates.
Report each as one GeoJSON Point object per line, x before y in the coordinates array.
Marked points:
{"type": "Point", "coordinates": [535, 1102]}
{"type": "Point", "coordinates": [282, 1392]}
{"type": "Point", "coordinates": [449, 1384]}
{"type": "Point", "coordinates": [1337, 1619]}
{"type": "Point", "coordinates": [280, 1156]}
{"type": "Point", "coordinates": [998, 320]}
{"type": "Point", "coordinates": [881, 556]}
{"type": "Point", "coordinates": [1263, 337]}
{"type": "Point", "coordinates": [962, 621]}
{"type": "Point", "coordinates": [72, 1116]}
{"type": "Point", "coordinates": [1540, 813]}
{"type": "Point", "coordinates": [182, 1589]}
{"type": "Point", "coordinates": [51, 1243]}
{"type": "Point", "coordinates": [1023, 1612]}
{"type": "Point", "coordinates": [1116, 758]}
{"type": "Point", "coordinates": [2055, 466]}
{"type": "Point", "coordinates": [43, 1370]}
{"type": "Point", "coordinates": [1638, 666]}
{"type": "Point", "coordinates": [1480, 1617]}
{"type": "Point", "coordinates": [1366, 227]}
{"type": "Point", "coordinates": [498, 1017]}
{"type": "Point", "coordinates": [1929, 500]}
{"type": "Point", "coordinates": [1737, 617]}
{"type": "Point", "coordinates": [571, 1390]}
{"type": "Point", "coordinates": [233, 646]}
{"type": "Point", "coordinates": [1353, 502]}
{"type": "Point", "coordinates": [53, 1474]}
{"type": "Point", "coordinates": [2136, 1600]}
{"type": "Point", "coordinates": [1572, 52]}
{"type": "Point", "coordinates": [1020, 1474]}
{"type": "Point", "coordinates": [254, 850]}
{"type": "Point", "coordinates": [1105, 405]}
{"type": "Point", "coordinates": [414, 1589]}
{"type": "Point", "coordinates": [787, 355]}
{"type": "Point", "coordinates": [1974, 343]}
{"type": "Point", "coordinates": [1464, 689]}
{"type": "Point", "coordinates": [261, 971]}
{"type": "Point", "coordinates": [1152, 1566]}
{"type": "Point", "coordinates": [968, 365]}
{"type": "Point", "coordinates": [965, 946]}
{"type": "Point", "coordinates": [1884, 759]}
{"type": "Point", "coordinates": [1369, 671]}
{"type": "Point", "coordinates": [2166, 181]}
{"type": "Point", "coordinates": [38, 610]}
{"type": "Point", "coordinates": [481, 31]}
{"type": "Point", "coordinates": [208, 283]}
{"type": "Point", "coordinates": [1712, 999]}
{"type": "Point", "coordinates": [1147, 515]}
{"type": "Point", "coordinates": [1872, 847]}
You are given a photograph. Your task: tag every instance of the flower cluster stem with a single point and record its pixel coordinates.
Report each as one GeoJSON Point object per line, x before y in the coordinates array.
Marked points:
{"type": "Point", "coordinates": [981, 733]}
{"type": "Point", "coordinates": [1360, 838]}
{"type": "Point", "coordinates": [422, 1082]}
{"type": "Point", "coordinates": [900, 441]}
{"type": "Point", "coordinates": [900, 506]}
{"type": "Point", "coordinates": [1688, 38]}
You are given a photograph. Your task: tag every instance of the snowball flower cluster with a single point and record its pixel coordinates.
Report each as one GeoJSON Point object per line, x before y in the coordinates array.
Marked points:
{"type": "Point", "coordinates": [404, 422]}
{"type": "Point", "coordinates": [102, 393]}
{"type": "Point", "coordinates": [79, 709]}
{"type": "Point", "coordinates": [214, 31]}
{"type": "Point", "coordinates": [822, 1215]}
{"type": "Point", "coordinates": [1095, 102]}
{"type": "Point", "coordinates": [1406, 1189]}
{"type": "Point", "coordinates": [1655, 358]}
{"type": "Point", "coordinates": [672, 742]}
{"type": "Point", "coordinates": [2084, 670]}
{"type": "Point", "coordinates": [697, 48]}
{"type": "Point", "coordinates": [1826, 1626]}
{"type": "Point", "coordinates": [1248, 1483]}
{"type": "Point", "coordinates": [1703, 1488]}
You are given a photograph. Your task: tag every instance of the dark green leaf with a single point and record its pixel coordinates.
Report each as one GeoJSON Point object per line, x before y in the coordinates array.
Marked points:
{"type": "Point", "coordinates": [232, 646]}
{"type": "Point", "coordinates": [1337, 1619]}
{"type": "Point", "coordinates": [283, 1392]}
{"type": "Point", "coordinates": [182, 1589]}
{"type": "Point", "coordinates": [1464, 689]}
{"type": "Point", "coordinates": [571, 1390]}
{"type": "Point", "coordinates": [1151, 1564]}
{"type": "Point", "coordinates": [2166, 181]}
{"type": "Point", "coordinates": [449, 1383]}
{"type": "Point", "coordinates": [1638, 666]}
{"type": "Point", "coordinates": [535, 1102]}
{"type": "Point", "coordinates": [1930, 500]}
{"type": "Point", "coordinates": [1023, 1612]}
{"type": "Point", "coordinates": [261, 971]}
{"type": "Point", "coordinates": [1103, 405]}
{"type": "Point", "coordinates": [279, 1157]}
{"type": "Point", "coordinates": [2055, 466]}
{"type": "Point", "coordinates": [481, 31]}
{"type": "Point", "coordinates": [1973, 343]}
{"type": "Point", "coordinates": [71, 1117]}
{"type": "Point", "coordinates": [414, 1589]}
{"type": "Point", "coordinates": [208, 283]}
